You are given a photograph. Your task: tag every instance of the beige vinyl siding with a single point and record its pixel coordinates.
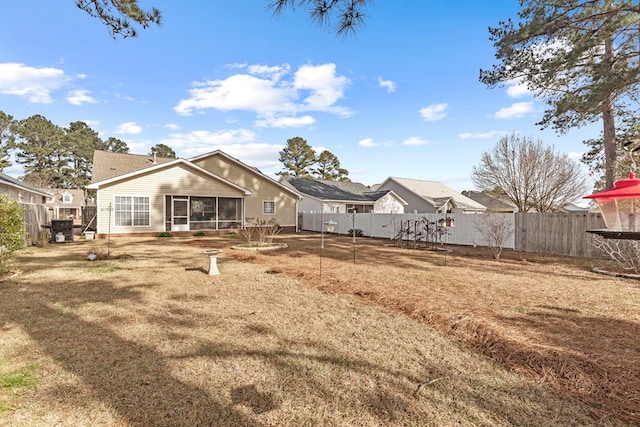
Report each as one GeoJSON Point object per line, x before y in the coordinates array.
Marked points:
{"type": "Point", "coordinates": [177, 180]}
{"type": "Point", "coordinates": [261, 187]}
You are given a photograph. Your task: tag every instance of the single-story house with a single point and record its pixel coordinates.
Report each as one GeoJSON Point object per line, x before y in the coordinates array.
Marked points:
{"type": "Point", "coordinates": [342, 197]}
{"type": "Point", "coordinates": [21, 192]}
{"type": "Point", "coordinates": [493, 204]}
{"type": "Point", "coordinates": [213, 192]}
{"type": "Point", "coordinates": [430, 196]}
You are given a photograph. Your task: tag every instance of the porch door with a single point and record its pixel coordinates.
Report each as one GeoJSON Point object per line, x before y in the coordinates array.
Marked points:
{"type": "Point", "coordinates": [180, 215]}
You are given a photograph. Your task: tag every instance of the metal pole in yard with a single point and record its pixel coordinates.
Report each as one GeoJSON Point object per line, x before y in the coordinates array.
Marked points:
{"type": "Point", "coordinates": [353, 231]}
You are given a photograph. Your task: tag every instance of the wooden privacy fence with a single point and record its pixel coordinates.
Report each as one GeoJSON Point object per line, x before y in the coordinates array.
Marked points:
{"type": "Point", "coordinates": [557, 233]}
{"type": "Point", "coordinates": [35, 216]}
{"type": "Point", "coordinates": [552, 233]}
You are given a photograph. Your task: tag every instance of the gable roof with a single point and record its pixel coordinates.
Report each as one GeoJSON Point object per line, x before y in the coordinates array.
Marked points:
{"type": "Point", "coordinates": [15, 183]}
{"type": "Point", "coordinates": [491, 202]}
{"type": "Point", "coordinates": [107, 164]}
{"type": "Point", "coordinates": [56, 194]}
{"type": "Point", "coordinates": [247, 167]}
{"type": "Point", "coordinates": [157, 167]}
{"type": "Point", "coordinates": [435, 193]}
{"type": "Point", "coordinates": [337, 191]}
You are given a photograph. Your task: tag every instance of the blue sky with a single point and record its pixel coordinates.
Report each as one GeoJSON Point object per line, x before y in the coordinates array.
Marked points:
{"type": "Point", "coordinates": [400, 98]}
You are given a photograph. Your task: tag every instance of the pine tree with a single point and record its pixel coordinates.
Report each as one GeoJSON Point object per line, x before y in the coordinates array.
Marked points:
{"type": "Point", "coordinates": [39, 147]}
{"type": "Point", "coordinates": [581, 57]}
{"type": "Point", "coordinates": [328, 168]}
{"type": "Point", "coordinates": [297, 158]}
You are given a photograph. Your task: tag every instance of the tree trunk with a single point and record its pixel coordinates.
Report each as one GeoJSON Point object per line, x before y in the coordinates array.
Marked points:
{"type": "Point", "coordinates": [609, 131]}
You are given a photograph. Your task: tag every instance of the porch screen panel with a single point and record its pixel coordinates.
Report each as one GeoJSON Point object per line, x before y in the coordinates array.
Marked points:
{"type": "Point", "coordinates": [229, 213]}
{"type": "Point", "coordinates": [203, 213]}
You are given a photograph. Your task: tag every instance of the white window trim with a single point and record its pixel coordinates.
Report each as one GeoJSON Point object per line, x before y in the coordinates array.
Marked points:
{"type": "Point", "coordinates": [264, 212]}
{"type": "Point", "coordinates": [132, 210]}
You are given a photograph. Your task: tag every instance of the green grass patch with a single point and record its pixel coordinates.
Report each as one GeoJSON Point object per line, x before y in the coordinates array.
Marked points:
{"type": "Point", "coordinates": [17, 379]}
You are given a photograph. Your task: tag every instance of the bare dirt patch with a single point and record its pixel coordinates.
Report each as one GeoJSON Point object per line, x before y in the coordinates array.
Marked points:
{"type": "Point", "coordinates": [287, 337]}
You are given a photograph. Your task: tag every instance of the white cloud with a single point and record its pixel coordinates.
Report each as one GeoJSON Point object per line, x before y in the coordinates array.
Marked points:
{"type": "Point", "coordinates": [274, 72]}
{"type": "Point", "coordinates": [324, 86]}
{"type": "Point", "coordinates": [517, 89]}
{"type": "Point", "coordinates": [416, 141]}
{"type": "Point", "coordinates": [129, 128]}
{"type": "Point", "coordinates": [202, 140]}
{"type": "Point", "coordinates": [238, 143]}
{"type": "Point", "coordinates": [387, 84]}
{"type": "Point", "coordinates": [434, 112]}
{"type": "Point", "coordinates": [482, 135]}
{"type": "Point", "coordinates": [285, 122]}
{"type": "Point", "coordinates": [33, 83]}
{"type": "Point", "coordinates": [516, 110]}
{"type": "Point", "coordinates": [573, 155]}
{"type": "Point", "coordinates": [80, 97]}
{"type": "Point", "coordinates": [368, 142]}
{"type": "Point", "coordinates": [266, 91]}
{"type": "Point", "coordinates": [172, 126]}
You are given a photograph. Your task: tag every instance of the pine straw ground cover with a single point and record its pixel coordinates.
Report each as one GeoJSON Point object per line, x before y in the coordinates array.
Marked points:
{"type": "Point", "coordinates": [398, 337]}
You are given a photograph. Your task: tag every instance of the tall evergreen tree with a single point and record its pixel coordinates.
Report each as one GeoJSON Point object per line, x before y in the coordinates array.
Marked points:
{"type": "Point", "coordinates": [39, 147]}
{"type": "Point", "coordinates": [116, 145]}
{"type": "Point", "coordinates": [328, 168]}
{"type": "Point", "coordinates": [580, 56]}
{"type": "Point", "coordinates": [297, 158]}
{"type": "Point", "coordinates": [81, 141]}
{"type": "Point", "coordinates": [162, 150]}
{"type": "Point", "coordinates": [7, 139]}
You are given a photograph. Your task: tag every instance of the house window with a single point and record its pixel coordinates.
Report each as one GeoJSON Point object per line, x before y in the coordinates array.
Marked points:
{"type": "Point", "coordinates": [131, 211]}
{"type": "Point", "coordinates": [67, 198]}
{"type": "Point", "coordinates": [268, 207]}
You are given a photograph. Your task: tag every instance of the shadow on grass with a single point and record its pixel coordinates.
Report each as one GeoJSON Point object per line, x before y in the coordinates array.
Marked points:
{"type": "Point", "coordinates": [138, 383]}
{"type": "Point", "coordinates": [132, 379]}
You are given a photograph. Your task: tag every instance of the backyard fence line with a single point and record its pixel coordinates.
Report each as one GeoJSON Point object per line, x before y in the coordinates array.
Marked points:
{"type": "Point", "coordinates": [35, 216]}
{"type": "Point", "coordinates": [552, 233]}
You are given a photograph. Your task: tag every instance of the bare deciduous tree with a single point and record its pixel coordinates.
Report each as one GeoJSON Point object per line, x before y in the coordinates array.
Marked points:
{"type": "Point", "coordinates": [532, 176]}
{"type": "Point", "coordinates": [496, 229]}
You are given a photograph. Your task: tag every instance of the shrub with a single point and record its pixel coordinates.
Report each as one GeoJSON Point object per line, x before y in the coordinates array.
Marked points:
{"type": "Point", "coordinates": [496, 230]}
{"type": "Point", "coordinates": [165, 234]}
{"type": "Point", "coordinates": [12, 234]}
{"type": "Point", "coordinates": [355, 232]}
{"type": "Point", "coordinates": [260, 232]}
{"type": "Point", "coordinates": [199, 234]}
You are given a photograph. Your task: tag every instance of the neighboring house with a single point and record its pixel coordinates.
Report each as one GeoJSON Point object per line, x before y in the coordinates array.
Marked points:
{"type": "Point", "coordinates": [32, 201]}
{"type": "Point", "coordinates": [212, 192]}
{"type": "Point", "coordinates": [430, 196]}
{"type": "Point", "coordinates": [572, 208]}
{"type": "Point", "coordinates": [66, 204]}
{"type": "Point", "coordinates": [21, 192]}
{"type": "Point", "coordinates": [493, 204]}
{"type": "Point", "coordinates": [342, 197]}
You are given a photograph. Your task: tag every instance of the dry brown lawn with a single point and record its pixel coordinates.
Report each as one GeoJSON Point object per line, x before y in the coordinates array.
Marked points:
{"type": "Point", "coordinates": [307, 336]}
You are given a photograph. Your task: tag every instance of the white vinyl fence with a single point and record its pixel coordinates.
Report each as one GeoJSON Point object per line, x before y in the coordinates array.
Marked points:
{"type": "Point", "coordinates": [405, 226]}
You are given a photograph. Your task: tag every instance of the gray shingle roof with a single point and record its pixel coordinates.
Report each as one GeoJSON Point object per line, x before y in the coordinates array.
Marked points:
{"type": "Point", "coordinates": [334, 190]}
{"type": "Point", "coordinates": [13, 182]}
{"type": "Point", "coordinates": [489, 201]}
{"type": "Point", "coordinates": [108, 165]}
